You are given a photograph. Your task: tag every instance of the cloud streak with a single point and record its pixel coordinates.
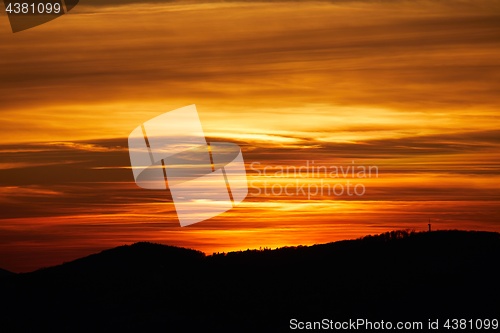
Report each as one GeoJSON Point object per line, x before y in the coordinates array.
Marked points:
{"type": "Point", "coordinates": [408, 56]}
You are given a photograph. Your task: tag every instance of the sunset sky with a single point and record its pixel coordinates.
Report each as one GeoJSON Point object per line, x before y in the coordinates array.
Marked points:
{"type": "Point", "coordinates": [410, 87]}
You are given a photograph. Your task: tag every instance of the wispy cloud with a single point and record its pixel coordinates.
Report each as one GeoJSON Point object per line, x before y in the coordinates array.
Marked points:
{"type": "Point", "coordinates": [436, 59]}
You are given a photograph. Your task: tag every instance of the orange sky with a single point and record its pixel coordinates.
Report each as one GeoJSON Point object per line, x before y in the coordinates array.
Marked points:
{"type": "Point", "coordinates": [409, 87]}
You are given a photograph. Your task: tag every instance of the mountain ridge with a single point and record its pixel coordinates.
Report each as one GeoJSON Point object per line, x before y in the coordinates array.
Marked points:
{"type": "Point", "coordinates": [157, 250]}
{"type": "Point", "coordinates": [146, 286]}
{"type": "Point", "coordinates": [4, 272]}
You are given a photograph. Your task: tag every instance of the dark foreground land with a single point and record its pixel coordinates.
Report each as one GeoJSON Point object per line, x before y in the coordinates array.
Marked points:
{"type": "Point", "coordinates": [3, 272]}
{"type": "Point", "coordinates": [149, 287]}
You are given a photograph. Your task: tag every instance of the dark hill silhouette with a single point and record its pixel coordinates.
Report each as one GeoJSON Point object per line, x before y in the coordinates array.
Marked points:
{"type": "Point", "coordinates": [4, 272]}
{"type": "Point", "coordinates": [143, 287]}
{"type": "Point", "coordinates": [143, 257]}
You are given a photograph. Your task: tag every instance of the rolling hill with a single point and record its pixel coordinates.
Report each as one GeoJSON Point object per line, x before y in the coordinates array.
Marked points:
{"type": "Point", "coordinates": [144, 286]}
{"type": "Point", "coordinates": [4, 272]}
